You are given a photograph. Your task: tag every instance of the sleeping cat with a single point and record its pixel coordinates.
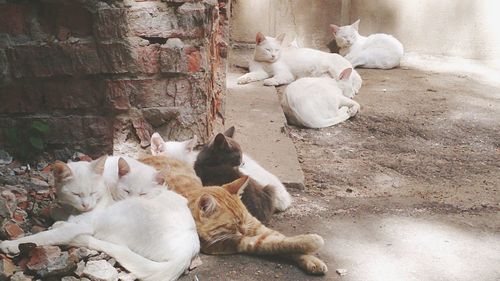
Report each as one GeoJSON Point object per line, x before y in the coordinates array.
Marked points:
{"type": "Point", "coordinates": [318, 102]}
{"type": "Point", "coordinates": [185, 152]}
{"type": "Point", "coordinates": [279, 67]}
{"type": "Point", "coordinates": [375, 51]}
{"type": "Point", "coordinates": [119, 228]}
{"type": "Point", "coordinates": [225, 226]}
{"type": "Point", "coordinates": [217, 164]}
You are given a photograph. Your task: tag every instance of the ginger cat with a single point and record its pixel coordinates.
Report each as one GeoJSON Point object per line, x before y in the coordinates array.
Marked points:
{"type": "Point", "coordinates": [226, 227]}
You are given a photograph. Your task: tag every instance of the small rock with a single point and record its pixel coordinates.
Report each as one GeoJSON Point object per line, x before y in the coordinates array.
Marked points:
{"type": "Point", "coordinates": [48, 261]}
{"type": "Point", "coordinates": [79, 268]}
{"type": "Point", "coordinates": [100, 270]}
{"type": "Point", "coordinates": [82, 253]}
{"type": "Point", "coordinates": [13, 230]}
{"type": "Point", "coordinates": [349, 190]}
{"type": "Point", "coordinates": [112, 261]}
{"type": "Point", "coordinates": [341, 271]}
{"type": "Point", "coordinates": [39, 182]}
{"type": "Point", "coordinates": [19, 276]}
{"type": "Point", "coordinates": [7, 267]}
{"type": "Point", "coordinates": [5, 158]}
{"type": "Point", "coordinates": [101, 256]}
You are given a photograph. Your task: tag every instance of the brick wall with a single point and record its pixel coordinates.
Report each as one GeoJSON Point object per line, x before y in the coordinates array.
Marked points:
{"type": "Point", "coordinates": [105, 74]}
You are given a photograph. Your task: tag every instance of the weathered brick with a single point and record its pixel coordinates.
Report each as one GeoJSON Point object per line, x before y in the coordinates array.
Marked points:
{"type": "Point", "coordinates": [13, 230]}
{"type": "Point", "coordinates": [111, 23]}
{"type": "Point", "coordinates": [143, 93]}
{"type": "Point", "coordinates": [154, 20]}
{"type": "Point", "coordinates": [148, 58]}
{"type": "Point", "coordinates": [48, 95]}
{"type": "Point", "coordinates": [4, 66]}
{"type": "Point", "coordinates": [172, 59]}
{"type": "Point", "coordinates": [69, 17]}
{"type": "Point", "coordinates": [14, 18]}
{"type": "Point", "coordinates": [117, 57]}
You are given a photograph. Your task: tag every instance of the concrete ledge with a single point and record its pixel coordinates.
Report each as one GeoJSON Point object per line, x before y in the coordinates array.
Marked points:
{"type": "Point", "coordinates": [255, 111]}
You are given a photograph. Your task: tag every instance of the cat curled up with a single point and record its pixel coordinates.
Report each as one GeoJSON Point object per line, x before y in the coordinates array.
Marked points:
{"type": "Point", "coordinates": [224, 224]}
{"type": "Point", "coordinates": [318, 102]}
{"type": "Point", "coordinates": [278, 66]}
{"type": "Point", "coordinates": [375, 51]}
{"type": "Point", "coordinates": [185, 152]}
{"type": "Point", "coordinates": [153, 236]}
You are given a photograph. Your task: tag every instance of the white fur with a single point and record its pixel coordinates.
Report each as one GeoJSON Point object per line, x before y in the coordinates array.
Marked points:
{"type": "Point", "coordinates": [184, 151]}
{"type": "Point", "coordinates": [375, 51]}
{"type": "Point", "coordinates": [318, 102]}
{"type": "Point", "coordinates": [277, 66]}
{"type": "Point", "coordinates": [153, 236]}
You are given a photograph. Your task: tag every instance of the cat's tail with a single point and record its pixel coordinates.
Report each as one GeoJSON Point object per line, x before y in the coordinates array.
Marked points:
{"type": "Point", "coordinates": [141, 267]}
{"type": "Point", "coordinates": [342, 115]}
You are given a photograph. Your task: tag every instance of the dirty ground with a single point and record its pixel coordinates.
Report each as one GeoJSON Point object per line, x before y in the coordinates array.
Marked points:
{"type": "Point", "coordinates": [406, 190]}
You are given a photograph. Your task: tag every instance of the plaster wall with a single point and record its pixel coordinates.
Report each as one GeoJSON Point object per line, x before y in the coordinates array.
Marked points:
{"type": "Point", "coordinates": [463, 28]}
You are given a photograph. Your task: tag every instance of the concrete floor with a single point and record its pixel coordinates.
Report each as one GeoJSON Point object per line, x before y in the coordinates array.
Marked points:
{"type": "Point", "coordinates": [407, 190]}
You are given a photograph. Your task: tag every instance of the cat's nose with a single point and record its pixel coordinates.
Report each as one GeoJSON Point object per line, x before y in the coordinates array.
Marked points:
{"type": "Point", "coordinates": [85, 206]}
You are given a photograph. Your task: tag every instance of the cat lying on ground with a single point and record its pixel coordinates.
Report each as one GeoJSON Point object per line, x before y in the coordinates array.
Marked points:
{"type": "Point", "coordinates": [224, 224]}
{"type": "Point", "coordinates": [218, 163]}
{"type": "Point", "coordinates": [185, 152]}
{"type": "Point", "coordinates": [375, 51]}
{"type": "Point", "coordinates": [277, 66]}
{"type": "Point", "coordinates": [153, 236]}
{"type": "Point", "coordinates": [318, 102]}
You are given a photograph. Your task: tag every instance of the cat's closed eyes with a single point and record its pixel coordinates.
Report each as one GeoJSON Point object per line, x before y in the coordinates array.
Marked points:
{"type": "Point", "coordinates": [185, 152]}
{"type": "Point", "coordinates": [218, 163]}
{"type": "Point", "coordinates": [224, 224]}
{"type": "Point", "coordinates": [278, 66]}
{"type": "Point", "coordinates": [317, 102]}
{"type": "Point", "coordinates": [118, 228]}
{"type": "Point", "coordinates": [374, 51]}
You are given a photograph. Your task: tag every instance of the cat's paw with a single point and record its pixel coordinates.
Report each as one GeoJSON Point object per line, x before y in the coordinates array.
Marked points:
{"type": "Point", "coordinates": [313, 242]}
{"type": "Point", "coordinates": [313, 265]}
{"type": "Point", "coordinates": [9, 247]}
{"type": "Point", "coordinates": [282, 201]}
{"type": "Point", "coordinates": [271, 82]}
{"type": "Point", "coordinates": [353, 110]}
{"type": "Point", "coordinates": [245, 79]}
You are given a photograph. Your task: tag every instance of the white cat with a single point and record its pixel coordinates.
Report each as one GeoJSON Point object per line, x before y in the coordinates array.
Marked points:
{"type": "Point", "coordinates": [375, 51]}
{"type": "Point", "coordinates": [153, 236]}
{"type": "Point", "coordinates": [280, 67]}
{"type": "Point", "coordinates": [184, 151]}
{"type": "Point", "coordinates": [318, 102]}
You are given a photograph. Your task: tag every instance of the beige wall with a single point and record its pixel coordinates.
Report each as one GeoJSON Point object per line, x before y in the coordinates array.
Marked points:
{"type": "Point", "coordinates": [307, 19]}
{"type": "Point", "coordinates": [464, 28]}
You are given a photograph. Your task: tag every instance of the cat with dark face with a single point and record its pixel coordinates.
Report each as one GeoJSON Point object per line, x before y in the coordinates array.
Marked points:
{"type": "Point", "coordinates": [218, 163]}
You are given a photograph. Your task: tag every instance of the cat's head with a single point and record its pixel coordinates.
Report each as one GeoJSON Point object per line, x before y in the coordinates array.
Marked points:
{"type": "Point", "coordinates": [268, 49]}
{"type": "Point", "coordinates": [345, 35]}
{"type": "Point", "coordinates": [180, 150]}
{"type": "Point", "coordinates": [80, 184]}
{"type": "Point", "coordinates": [221, 217]}
{"type": "Point", "coordinates": [222, 150]}
{"type": "Point", "coordinates": [134, 179]}
{"type": "Point", "coordinates": [344, 81]}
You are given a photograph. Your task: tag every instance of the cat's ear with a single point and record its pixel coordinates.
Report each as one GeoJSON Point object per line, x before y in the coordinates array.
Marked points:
{"type": "Point", "coordinates": [356, 24]}
{"type": "Point", "coordinates": [190, 145]}
{"type": "Point", "coordinates": [334, 28]}
{"type": "Point", "coordinates": [207, 205]}
{"type": "Point", "coordinates": [281, 37]}
{"type": "Point", "coordinates": [230, 132]}
{"type": "Point", "coordinates": [157, 144]}
{"type": "Point", "coordinates": [259, 38]}
{"type": "Point", "coordinates": [237, 187]}
{"type": "Point", "coordinates": [345, 74]}
{"type": "Point", "coordinates": [220, 142]}
{"type": "Point", "coordinates": [123, 167]}
{"type": "Point", "coordinates": [160, 177]}
{"type": "Point", "coordinates": [61, 171]}
{"type": "Point", "coordinates": [98, 164]}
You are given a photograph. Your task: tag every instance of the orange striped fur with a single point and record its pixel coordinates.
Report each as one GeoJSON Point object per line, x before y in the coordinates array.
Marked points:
{"type": "Point", "coordinates": [226, 227]}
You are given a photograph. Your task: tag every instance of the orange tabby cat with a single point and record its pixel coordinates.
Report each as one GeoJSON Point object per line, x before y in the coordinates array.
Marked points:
{"type": "Point", "coordinates": [224, 224]}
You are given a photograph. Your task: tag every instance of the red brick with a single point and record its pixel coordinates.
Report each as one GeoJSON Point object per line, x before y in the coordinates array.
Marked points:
{"type": "Point", "coordinates": [111, 23]}
{"type": "Point", "coordinates": [153, 20]}
{"type": "Point", "coordinates": [172, 59]}
{"type": "Point", "coordinates": [144, 93]}
{"type": "Point", "coordinates": [14, 18]}
{"type": "Point", "coordinates": [13, 230]}
{"type": "Point", "coordinates": [148, 58]}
